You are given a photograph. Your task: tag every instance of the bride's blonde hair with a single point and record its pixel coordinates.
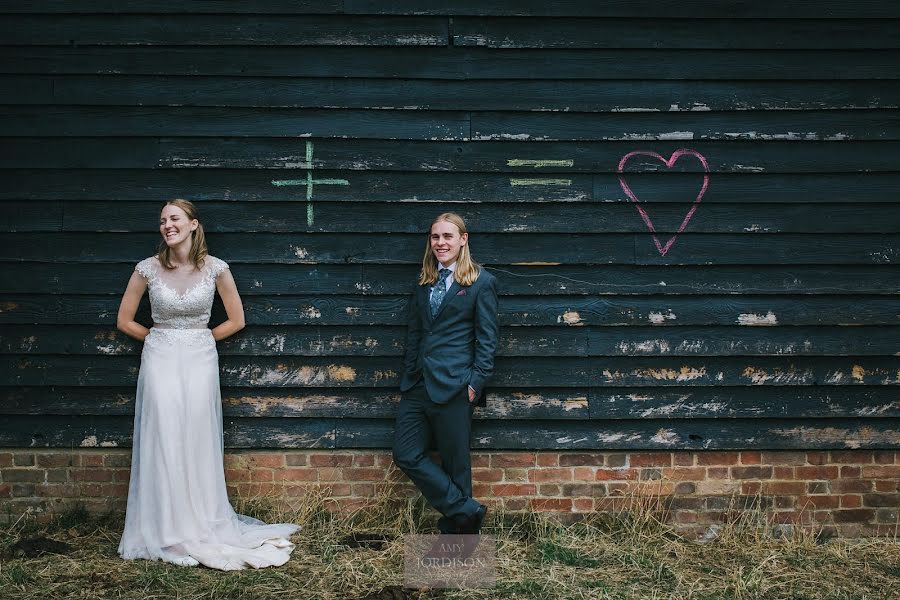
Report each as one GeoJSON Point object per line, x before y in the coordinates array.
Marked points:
{"type": "Point", "coordinates": [198, 238]}
{"type": "Point", "coordinates": [467, 270]}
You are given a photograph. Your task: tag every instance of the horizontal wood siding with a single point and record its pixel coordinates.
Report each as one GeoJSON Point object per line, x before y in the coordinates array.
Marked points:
{"type": "Point", "coordinates": [740, 295]}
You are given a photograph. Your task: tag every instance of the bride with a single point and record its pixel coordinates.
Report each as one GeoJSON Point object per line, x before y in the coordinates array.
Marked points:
{"type": "Point", "coordinates": [178, 509]}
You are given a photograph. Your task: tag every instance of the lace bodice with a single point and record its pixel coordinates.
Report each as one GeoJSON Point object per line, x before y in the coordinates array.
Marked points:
{"type": "Point", "coordinates": [181, 301]}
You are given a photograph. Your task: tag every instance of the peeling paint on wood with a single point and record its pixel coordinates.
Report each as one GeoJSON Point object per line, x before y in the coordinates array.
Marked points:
{"type": "Point", "coordinates": [666, 437]}
{"type": "Point", "coordinates": [341, 373]}
{"type": "Point", "coordinates": [758, 376]}
{"type": "Point", "coordinates": [91, 442]}
{"type": "Point", "coordinates": [684, 374]}
{"type": "Point", "coordinates": [659, 317]}
{"type": "Point", "coordinates": [570, 317]}
{"type": "Point", "coordinates": [752, 319]}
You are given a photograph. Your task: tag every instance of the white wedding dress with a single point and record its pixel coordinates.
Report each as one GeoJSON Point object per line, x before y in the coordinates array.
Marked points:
{"type": "Point", "coordinates": [178, 509]}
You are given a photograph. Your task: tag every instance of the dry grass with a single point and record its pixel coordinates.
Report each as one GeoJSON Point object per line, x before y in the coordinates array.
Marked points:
{"type": "Point", "coordinates": [632, 554]}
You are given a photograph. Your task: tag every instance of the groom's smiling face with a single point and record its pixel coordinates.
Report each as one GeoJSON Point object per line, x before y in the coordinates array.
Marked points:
{"type": "Point", "coordinates": [446, 242]}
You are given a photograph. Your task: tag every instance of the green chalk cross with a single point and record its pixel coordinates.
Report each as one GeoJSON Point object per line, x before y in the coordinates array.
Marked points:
{"type": "Point", "coordinates": [310, 184]}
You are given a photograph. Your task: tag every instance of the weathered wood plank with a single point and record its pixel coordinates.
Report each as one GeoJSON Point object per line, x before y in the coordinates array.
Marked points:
{"type": "Point", "coordinates": [379, 217]}
{"type": "Point", "coordinates": [492, 249]}
{"type": "Point", "coordinates": [736, 9]}
{"type": "Point", "coordinates": [292, 123]}
{"type": "Point", "coordinates": [536, 218]}
{"type": "Point", "coordinates": [700, 434]}
{"type": "Point", "coordinates": [597, 157]}
{"type": "Point", "coordinates": [689, 126]}
{"type": "Point", "coordinates": [475, 95]}
{"type": "Point", "coordinates": [682, 33]}
{"type": "Point", "coordinates": [503, 403]}
{"type": "Point", "coordinates": [547, 371]}
{"type": "Point", "coordinates": [287, 340]}
{"type": "Point", "coordinates": [202, 183]}
{"type": "Point", "coordinates": [174, 7]}
{"type": "Point", "coordinates": [718, 402]}
{"type": "Point", "coordinates": [744, 341]}
{"type": "Point", "coordinates": [208, 184]}
{"type": "Point", "coordinates": [115, 431]}
{"type": "Point", "coordinates": [222, 30]}
{"type": "Point", "coordinates": [79, 153]}
{"type": "Point", "coordinates": [562, 280]}
{"type": "Point", "coordinates": [868, 125]}
{"type": "Point", "coordinates": [571, 311]}
{"type": "Point", "coordinates": [546, 403]}
{"type": "Point", "coordinates": [456, 63]}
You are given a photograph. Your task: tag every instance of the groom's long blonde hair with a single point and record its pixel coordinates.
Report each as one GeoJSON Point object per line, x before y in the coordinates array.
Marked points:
{"type": "Point", "coordinates": [467, 270]}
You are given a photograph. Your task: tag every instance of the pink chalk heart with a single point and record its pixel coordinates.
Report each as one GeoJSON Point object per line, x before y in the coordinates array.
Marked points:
{"type": "Point", "coordinates": [663, 249]}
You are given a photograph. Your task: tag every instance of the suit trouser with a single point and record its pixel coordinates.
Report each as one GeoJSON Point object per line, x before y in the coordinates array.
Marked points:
{"type": "Point", "coordinates": [448, 487]}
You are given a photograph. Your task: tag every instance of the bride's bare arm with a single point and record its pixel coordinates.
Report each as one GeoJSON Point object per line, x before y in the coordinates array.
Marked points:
{"type": "Point", "coordinates": [233, 306]}
{"type": "Point", "coordinates": [131, 299]}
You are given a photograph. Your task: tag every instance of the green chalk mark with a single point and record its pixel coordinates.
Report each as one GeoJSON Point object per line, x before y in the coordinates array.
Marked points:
{"type": "Point", "coordinates": [562, 182]}
{"type": "Point", "coordinates": [539, 163]}
{"type": "Point", "coordinates": [310, 184]}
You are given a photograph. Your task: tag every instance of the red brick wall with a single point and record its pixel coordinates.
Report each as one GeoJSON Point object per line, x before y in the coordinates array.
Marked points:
{"type": "Point", "coordinates": [851, 493]}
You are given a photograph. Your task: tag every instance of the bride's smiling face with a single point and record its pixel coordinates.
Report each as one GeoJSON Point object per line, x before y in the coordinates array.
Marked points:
{"type": "Point", "coordinates": [174, 225]}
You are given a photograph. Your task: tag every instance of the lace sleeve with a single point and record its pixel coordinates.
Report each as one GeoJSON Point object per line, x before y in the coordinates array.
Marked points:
{"type": "Point", "coordinates": [146, 268]}
{"type": "Point", "coordinates": [216, 266]}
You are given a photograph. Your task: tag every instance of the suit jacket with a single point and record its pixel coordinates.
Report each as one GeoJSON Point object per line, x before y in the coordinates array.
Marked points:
{"type": "Point", "coordinates": [456, 348]}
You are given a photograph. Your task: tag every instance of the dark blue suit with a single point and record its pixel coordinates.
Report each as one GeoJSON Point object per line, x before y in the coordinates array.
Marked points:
{"type": "Point", "coordinates": [445, 354]}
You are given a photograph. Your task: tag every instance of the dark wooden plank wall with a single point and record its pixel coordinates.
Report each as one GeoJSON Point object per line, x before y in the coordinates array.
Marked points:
{"type": "Point", "coordinates": [321, 137]}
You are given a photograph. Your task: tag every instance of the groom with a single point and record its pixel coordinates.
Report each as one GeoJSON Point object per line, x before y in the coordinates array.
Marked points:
{"type": "Point", "coordinates": [450, 345]}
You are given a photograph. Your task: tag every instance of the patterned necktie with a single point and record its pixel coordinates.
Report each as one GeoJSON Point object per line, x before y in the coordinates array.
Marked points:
{"type": "Point", "coordinates": [440, 290]}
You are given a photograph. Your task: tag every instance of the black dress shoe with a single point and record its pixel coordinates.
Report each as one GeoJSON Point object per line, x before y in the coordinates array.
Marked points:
{"type": "Point", "coordinates": [446, 526]}
{"type": "Point", "coordinates": [471, 525]}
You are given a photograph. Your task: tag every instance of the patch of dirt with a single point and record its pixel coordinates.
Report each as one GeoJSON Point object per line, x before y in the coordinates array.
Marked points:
{"type": "Point", "coordinates": [32, 547]}
{"type": "Point", "coordinates": [372, 541]}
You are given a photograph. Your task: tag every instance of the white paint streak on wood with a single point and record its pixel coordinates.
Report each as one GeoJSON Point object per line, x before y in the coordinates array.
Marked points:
{"type": "Point", "coordinates": [755, 320]}
{"type": "Point", "coordinates": [299, 252]}
{"type": "Point", "coordinates": [568, 440]}
{"type": "Point", "coordinates": [275, 343]}
{"type": "Point", "coordinates": [676, 135]}
{"type": "Point", "coordinates": [644, 347]}
{"type": "Point", "coordinates": [311, 312]}
{"type": "Point", "coordinates": [658, 317]}
{"type": "Point", "coordinates": [636, 109]}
